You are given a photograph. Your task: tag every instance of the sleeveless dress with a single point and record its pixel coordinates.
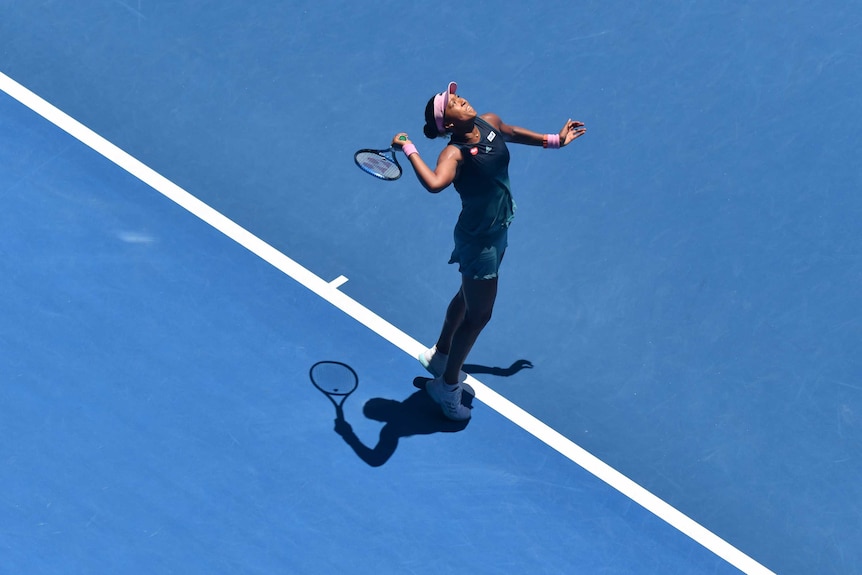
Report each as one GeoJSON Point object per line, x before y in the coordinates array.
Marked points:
{"type": "Point", "coordinates": [487, 207]}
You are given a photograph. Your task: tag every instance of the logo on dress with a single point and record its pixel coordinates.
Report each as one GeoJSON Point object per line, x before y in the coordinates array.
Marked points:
{"type": "Point", "coordinates": [491, 136]}
{"type": "Point", "coordinates": [474, 151]}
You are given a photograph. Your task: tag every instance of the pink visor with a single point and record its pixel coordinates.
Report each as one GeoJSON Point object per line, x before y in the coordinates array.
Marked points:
{"type": "Point", "coordinates": [441, 100]}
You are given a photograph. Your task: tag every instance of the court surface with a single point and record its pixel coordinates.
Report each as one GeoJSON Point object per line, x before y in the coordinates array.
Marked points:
{"type": "Point", "coordinates": [680, 298]}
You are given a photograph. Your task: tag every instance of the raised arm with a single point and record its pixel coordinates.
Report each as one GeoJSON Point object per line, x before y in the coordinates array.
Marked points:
{"type": "Point", "coordinates": [571, 130]}
{"type": "Point", "coordinates": [432, 180]}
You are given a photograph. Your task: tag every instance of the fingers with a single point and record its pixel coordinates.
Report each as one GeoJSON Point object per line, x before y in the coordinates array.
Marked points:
{"type": "Point", "coordinates": [578, 132]}
{"type": "Point", "coordinates": [576, 126]}
{"type": "Point", "coordinates": [400, 139]}
{"type": "Point", "coordinates": [572, 131]}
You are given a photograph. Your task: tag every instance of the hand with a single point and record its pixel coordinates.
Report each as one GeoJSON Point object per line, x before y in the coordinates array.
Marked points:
{"type": "Point", "coordinates": [400, 140]}
{"type": "Point", "coordinates": [343, 428]}
{"type": "Point", "coordinates": [571, 131]}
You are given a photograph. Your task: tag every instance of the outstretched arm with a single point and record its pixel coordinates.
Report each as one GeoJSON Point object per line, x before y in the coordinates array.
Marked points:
{"type": "Point", "coordinates": [571, 130]}
{"type": "Point", "coordinates": [433, 180]}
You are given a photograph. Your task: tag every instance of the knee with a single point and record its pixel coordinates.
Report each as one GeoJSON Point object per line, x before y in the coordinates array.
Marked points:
{"type": "Point", "coordinates": [479, 319]}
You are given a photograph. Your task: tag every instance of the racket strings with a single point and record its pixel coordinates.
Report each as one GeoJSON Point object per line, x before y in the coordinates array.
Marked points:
{"type": "Point", "coordinates": [334, 378]}
{"type": "Point", "coordinates": [377, 165]}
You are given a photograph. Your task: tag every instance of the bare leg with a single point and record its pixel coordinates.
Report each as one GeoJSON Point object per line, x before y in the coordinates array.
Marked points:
{"type": "Point", "coordinates": [454, 319]}
{"type": "Point", "coordinates": [478, 298]}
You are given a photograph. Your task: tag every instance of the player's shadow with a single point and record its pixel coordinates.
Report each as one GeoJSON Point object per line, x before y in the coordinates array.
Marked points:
{"type": "Point", "coordinates": [416, 415]}
{"type": "Point", "coordinates": [474, 369]}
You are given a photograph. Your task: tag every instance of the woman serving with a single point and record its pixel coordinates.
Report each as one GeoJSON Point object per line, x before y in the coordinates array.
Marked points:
{"type": "Point", "coordinates": [477, 162]}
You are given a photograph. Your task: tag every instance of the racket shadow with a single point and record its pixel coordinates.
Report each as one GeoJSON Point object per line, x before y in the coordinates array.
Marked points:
{"type": "Point", "coordinates": [416, 415]}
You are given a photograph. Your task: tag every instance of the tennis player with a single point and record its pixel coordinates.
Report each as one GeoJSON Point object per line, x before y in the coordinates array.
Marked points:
{"type": "Point", "coordinates": [477, 162]}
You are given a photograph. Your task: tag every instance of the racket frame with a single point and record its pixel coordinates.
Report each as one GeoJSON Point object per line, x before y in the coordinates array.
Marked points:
{"type": "Point", "coordinates": [330, 394]}
{"type": "Point", "coordinates": [387, 154]}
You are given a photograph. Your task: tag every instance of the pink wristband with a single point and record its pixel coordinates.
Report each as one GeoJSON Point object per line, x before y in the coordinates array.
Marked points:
{"type": "Point", "coordinates": [409, 149]}
{"type": "Point", "coordinates": [552, 141]}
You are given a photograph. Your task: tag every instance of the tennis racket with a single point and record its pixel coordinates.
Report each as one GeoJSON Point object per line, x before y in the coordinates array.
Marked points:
{"type": "Point", "coordinates": [379, 163]}
{"type": "Point", "coordinates": [336, 381]}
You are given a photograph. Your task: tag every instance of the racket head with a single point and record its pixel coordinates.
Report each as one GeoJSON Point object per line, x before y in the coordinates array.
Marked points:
{"type": "Point", "coordinates": [334, 378]}
{"type": "Point", "coordinates": [379, 163]}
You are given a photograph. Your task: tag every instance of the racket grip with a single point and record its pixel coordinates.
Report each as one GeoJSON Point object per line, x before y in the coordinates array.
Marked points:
{"type": "Point", "coordinates": [409, 149]}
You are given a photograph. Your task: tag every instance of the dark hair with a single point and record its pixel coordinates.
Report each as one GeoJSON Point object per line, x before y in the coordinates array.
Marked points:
{"type": "Point", "coordinates": [430, 128]}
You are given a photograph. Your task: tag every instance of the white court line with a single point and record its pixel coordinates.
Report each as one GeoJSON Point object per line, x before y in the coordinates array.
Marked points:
{"type": "Point", "coordinates": [338, 282]}
{"type": "Point", "coordinates": [375, 323]}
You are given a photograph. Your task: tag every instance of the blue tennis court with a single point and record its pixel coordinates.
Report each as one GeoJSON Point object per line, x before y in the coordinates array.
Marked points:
{"type": "Point", "coordinates": [670, 383]}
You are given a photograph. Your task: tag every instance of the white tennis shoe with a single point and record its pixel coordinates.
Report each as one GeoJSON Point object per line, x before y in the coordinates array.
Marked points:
{"type": "Point", "coordinates": [435, 363]}
{"type": "Point", "coordinates": [449, 399]}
